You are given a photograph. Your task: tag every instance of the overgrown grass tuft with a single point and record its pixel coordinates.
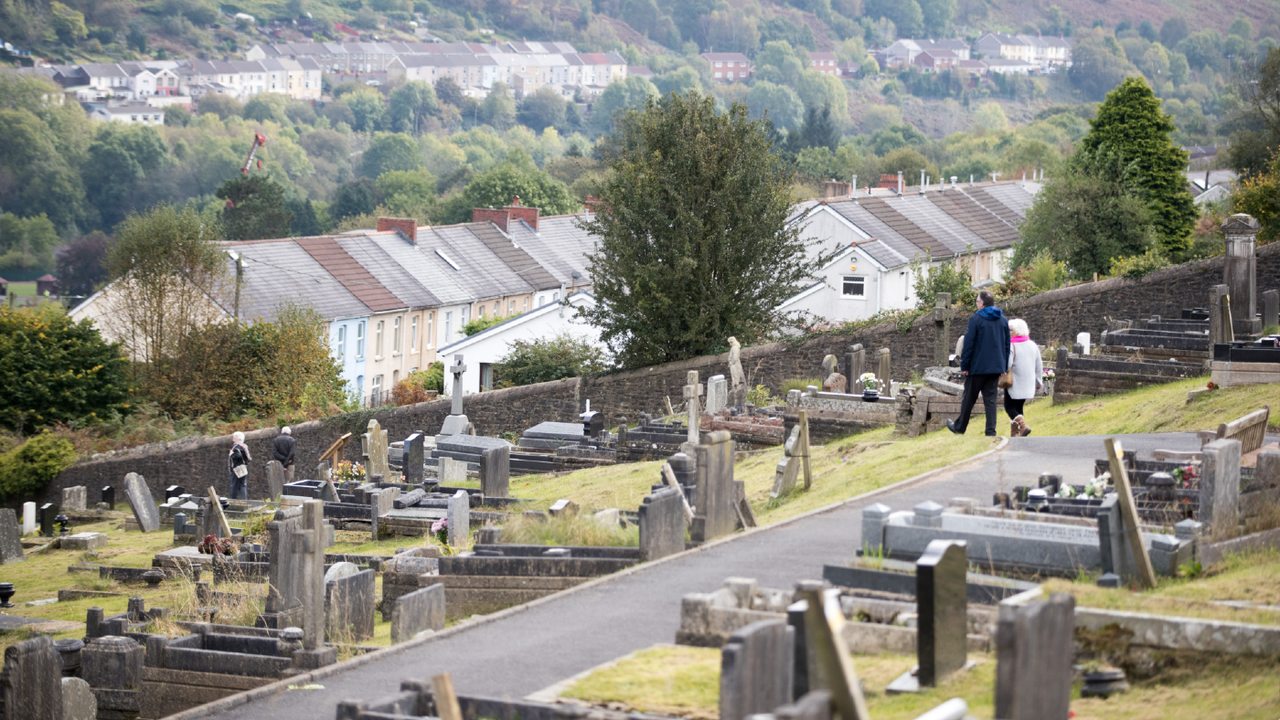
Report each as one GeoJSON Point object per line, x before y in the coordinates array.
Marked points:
{"type": "Point", "coordinates": [570, 531]}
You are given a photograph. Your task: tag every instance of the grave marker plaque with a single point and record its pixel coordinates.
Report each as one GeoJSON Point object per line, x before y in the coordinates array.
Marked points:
{"type": "Point", "coordinates": [144, 506]}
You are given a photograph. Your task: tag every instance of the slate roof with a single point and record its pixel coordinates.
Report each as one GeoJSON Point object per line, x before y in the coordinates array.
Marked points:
{"type": "Point", "coordinates": [939, 225]}
{"type": "Point", "coordinates": [876, 228]}
{"type": "Point", "coordinates": [349, 272]}
{"type": "Point", "coordinates": [1013, 196]}
{"type": "Point", "coordinates": [480, 272]}
{"type": "Point", "coordinates": [391, 274]}
{"type": "Point", "coordinates": [889, 215]}
{"type": "Point", "coordinates": [427, 271]}
{"type": "Point", "coordinates": [514, 256]}
{"type": "Point", "coordinates": [278, 271]}
{"type": "Point", "coordinates": [558, 246]}
{"type": "Point", "coordinates": [985, 223]}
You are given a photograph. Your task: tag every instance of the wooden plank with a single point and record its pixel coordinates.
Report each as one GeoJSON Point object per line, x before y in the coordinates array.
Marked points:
{"type": "Point", "coordinates": [669, 475]}
{"type": "Point", "coordinates": [336, 447]}
{"type": "Point", "coordinates": [217, 510]}
{"type": "Point", "coordinates": [804, 447]}
{"type": "Point", "coordinates": [447, 707]}
{"type": "Point", "coordinates": [1120, 478]}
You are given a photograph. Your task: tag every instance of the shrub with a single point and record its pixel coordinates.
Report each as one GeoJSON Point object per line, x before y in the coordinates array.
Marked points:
{"type": "Point", "coordinates": [28, 468]}
{"type": "Point", "coordinates": [481, 324]}
{"type": "Point", "coordinates": [1046, 273]}
{"type": "Point", "coordinates": [1137, 266]}
{"type": "Point", "coordinates": [535, 361]}
{"type": "Point", "coordinates": [942, 278]}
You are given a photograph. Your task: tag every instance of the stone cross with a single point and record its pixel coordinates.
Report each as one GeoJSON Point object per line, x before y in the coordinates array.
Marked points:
{"type": "Point", "coordinates": [457, 370]}
{"type": "Point", "coordinates": [692, 391]}
{"type": "Point", "coordinates": [312, 537]}
{"type": "Point", "coordinates": [942, 314]}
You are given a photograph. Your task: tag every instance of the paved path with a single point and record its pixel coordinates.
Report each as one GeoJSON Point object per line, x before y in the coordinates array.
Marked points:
{"type": "Point", "coordinates": [543, 644]}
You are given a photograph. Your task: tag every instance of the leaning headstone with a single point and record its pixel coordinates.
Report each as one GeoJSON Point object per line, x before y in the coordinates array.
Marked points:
{"type": "Point", "coordinates": [32, 680]}
{"type": "Point", "coordinates": [459, 518]}
{"type": "Point", "coordinates": [417, 611]}
{"type": "Point", "coordinates": [144, 506]}
{"type": "Point", "coordinates": [830, 364]}
{"type": "Point", "coordinates": [795, 458]}
{"type": "Point", "coordinates": [1129, 512]}
{"type": "Point", "coordinates": [1034, 653]}
{"type": "Point", "coordinates": [75, 498]}
{"type": "Point", "coordinates": [756, 666]}
{"type": "Point", "coordinates": [10, 538]}
{"type": "Point", "coordinates": [284, 571]}
{"type": "Point", "coordinates": [942, 607]}
{"type": "Point", "coordinates": [716, 515]}
{"type": "Point", "coordinates": [350, 604]}
{"type": "Point", "coordinates": [275, 479]}
{"type": "Point", "coordinates": [376, 442]}
{"type": "Point", "coordinates": [884, 370]}
{"type": "Point", "coordinates": [29, 520]}
{"type": "Point", "coordinates": [78, 701]}
{"type": "Point", "coordinates": [1270, 308]}
{"type": "Point", "coordinates": [737, 379]}
{"type": "Point", "coordinates": [824, 642]}
{"type": "Point", "coordinates": [1220, 487]}
{"type": "Point", "coordinates": [411, 462]}
{"type": "Point", "coordinates": [856, 361]}
{"type": "Point", "coordinates": [495, 472]}
{"type": "Point", "coordinates": [662, 524]}
{"type": "Point", "coordinates": [717, 394]}
{"type": "Point", "coordinates": [1267, 472]}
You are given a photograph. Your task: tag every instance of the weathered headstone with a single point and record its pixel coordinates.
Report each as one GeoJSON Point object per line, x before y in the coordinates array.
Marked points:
{"type": "Point", "coordinates": [824, 642]}
{"type": "Point", "coordinates": [376, 442]}
{"type": "Point", "coordinates": [32, 680]}
{"type": "Point", "coordinates": [109, 496]}
{"type": "Point", "coordinates": [884, 370]}
{"type": "Point", "coordinates": [714, 494]}
{"type": "Point", "coordinates": [856, 365]}
{"type": "Point", "coordinates": [78, 701]}
{"type": "Point", "coordinates": [717, 394]}
{"type": "Point", "coordinates": [737, 379]}
{"type": "Point", "coordinates": [1220, 487]}
{"type": "Point", "coordinates": [795, 458]}
{"type": "Point", "coordinates": [350, 604]}
{"type": "Point", "coordinates": [417, 611]}
{"type": "Point", "coordinates": [452, 471]}
{"type": "Point", "coordinates": [1034, 654]}
{"type": "Point", "coordinates": [456, 423]}
{"type": "Point", "coordinates": [662, 524]}
{"type": "Point", "coordinates": [1270, 308]}
{"type": "Point", "coordinates": [756, 667]}
{"type": "Point", "coordinates": [942, 314]}
{"type": "Point", "coordinates": [692, 391]}
{"type": "Point", "coordinates": [835, 383]}
{"type": "Point", "coordinates": [48, 512]}
{"type": "Point", "coordinates": [284, 570]}
{"type": "Point", "coordinates": [1084, 340]}
{"type": "Point", "coordinates": [29, 521]}
{"type": "Point", "coordinates": [411, 460]}
{"type": "Point", "coordinates": [74, 499]}
{"type": "Point", "coordinates": [459, 518]}
{"type": "Point", "coordinates": [1267, 472]}
{"type": "Point", "coordinates": [942, 607]}
{"type": "Point", "coordinates": [874, 517]}
{"type": "Point", "coordinates": [495, 472]}
{"type": "Point", "coordinates": [10, 538]}
{"type": "Point", "coordinates": [144, 506]}
{"type": "Point", "coordinates": [830, 364]}
{"type": "Point", "coordinates": [1240, 271]}
{"type": "Point", "coordinates": [275, 479]}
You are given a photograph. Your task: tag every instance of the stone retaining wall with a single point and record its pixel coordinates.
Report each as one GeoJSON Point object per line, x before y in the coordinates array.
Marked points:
{"type": "Point", "coordinates": [1077, 377]}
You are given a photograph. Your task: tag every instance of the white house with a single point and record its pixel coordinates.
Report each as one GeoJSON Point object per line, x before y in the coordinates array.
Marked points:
{"type": "Point", "coordinates": [483, 350]}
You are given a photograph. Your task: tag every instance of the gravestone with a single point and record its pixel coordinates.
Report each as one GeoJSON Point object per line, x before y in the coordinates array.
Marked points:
{"type": "Point", "coordinates": [1267, 472]}
{"type": "Point", "coordinates": [592, 423]}
{"type": "Point", "coordinates": [717, 394]}
{"type": "Point", "coordinates": [1240, 271]}
{"type": "Point", "coordinates": [411, 462]}
{"type": "Point", "coordinates": [48, 512]}
{"type": "Point", "coordinates": [350, 603]}
{"type": "Point", "coordinates": [1084, 341]}
{"type": "Point", "coordinates": [1270, 308]}
{"type": "Point", "coordinates": [942, 607]}
{"type": "Point", "coordinates": [1129, 512]}
{"type": "Point", "coordinates": [275, 479]}
{"type": "Point", "coordinates": [214, 510]}
{"type": "Point", "coordinates": [495, 472]}
{"type": "Point", "coordinates": [376, 443]}
{"type": "Point", "coordinates": [1114, 545]}
{"type": "Point", "coordinates": [662, 524]}
{"type": "Point", "coordinates": [737, 379]}
{"type": "Point", "coordinates": [832, 663]}
{"type": "Point", "coordinates": [874, 517]}
{"type": "Point", "coordinates": [78, 701]}
{"type": "Point", "coordinates": [856, 364]}
{"type": "Point", "coordinates": [284, 571]}
{"type": "Point", "coordinates": [311, 541]}
{"type": "Point", "coordinates": [692, 391]}
{"type": "Point", "coordinates": [144, 506]}
{"type": "Point", "coordinates": [795, 458]}
{"type": "Point", "coordinates": [1220, 487]}
{"type": "Point", "coordinates": [459, 518]}
{"type": "Point", "coordinates": [451, 471]}
{"type": "Point", "coordinates": [884, 370]}
{"type": "Point", "coordinates": [456, 423]}
{"type": "Point", "coordinates": [830, 364]}
{"type": "Point", "coordinates": [716, 515]}
{"type": "Point", "coordinates": [1034, 654]}
{"type": "Point", "coordinates": [32, 680]}
{"type": "Point", "coordinates": [942, 314]}
{"type": "Point", "coordinates": [10, 538]}
{"type": "Point", "coordinates": [756, 667]}
{"type": "Point", "coordinates": [74, 499]}
{"type": "Point", "coordinates": [109, 496]}
{"type": "Point", "coordinates": [417, 611]}
{"type": "Point", "coordinates": [29, 521]}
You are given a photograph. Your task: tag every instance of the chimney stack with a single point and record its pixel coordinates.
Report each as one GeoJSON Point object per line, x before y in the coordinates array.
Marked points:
{"type": "Point", "coordinates": [516, 211]}
{"type": "Point", "coordinates": [497, 217]}
{"type": "Point", "coordinates": [408, 227]}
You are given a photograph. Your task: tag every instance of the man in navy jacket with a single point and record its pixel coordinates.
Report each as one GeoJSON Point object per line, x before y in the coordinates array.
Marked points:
{"type": "Point", "coordinates": [985, 357]}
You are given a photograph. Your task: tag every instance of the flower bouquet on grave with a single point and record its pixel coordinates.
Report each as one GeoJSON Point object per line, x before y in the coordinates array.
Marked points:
{"type": "Point", "coordinates": [440, 529]}
{"type": "Point", "coordinates": [1067, 491]}
{"type": "Point", "coordinates": [1185, 477]}
{"type": "Point", "coordinates": [1097, 487]}
{"type": "Point", "coordinates": [871, 386]}
{"type": "Point", "coordinates": [349, 472]}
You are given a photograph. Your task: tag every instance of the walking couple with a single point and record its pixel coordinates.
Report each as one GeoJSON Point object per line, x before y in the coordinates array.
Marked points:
{"type": "Point", "coordinates": [994, 345]}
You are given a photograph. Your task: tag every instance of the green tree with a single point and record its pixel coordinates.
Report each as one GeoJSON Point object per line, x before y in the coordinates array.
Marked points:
{"type": "Point", "coordinates": [38, 179]}
{"type": "Point", "coordinates": [693, 239]}
{"type": "Point", "coordinates": [409, 104]}
{"type": "Point", "coordinates": [68, 24]}
{"type": "Point", "coordinates": [26, 243]}
{"type": "Point", "coordinates": [80, 264]}
{"type": "Point", "coordinates": [1172, 31]}
{"type": "Point", "coordinates": [367, 109]}
{"type": "Point", "coordinates": [497, 187]}
{"type": "Point", "coordinates": [1097, 67]}
{"type": "Point", "coordinates": [630, 93]}
{"type": "Point", "coordinates": [120, 157]}
{"type": "Point", "coordinates": [56, 370]}
{"type": "Point", "coordinates": [224, 106]}
{"type": "Point", "coordinates": [679, 81]}
{"type": "Point", "coordinates": [255, 208]}
{"type": "Point", "coordinates": [1131, 124]}
{"type": "Point", "coordinates": [946, 276]}
{"type": "Point", "coordinates": [390, 151]}
{"type": "Point", "coordinates": [936, 15]}
{"type": "Point", "coordinates": [358, 197]}
{"type": "Point", "coordinates": [28, 468]}
{"type": "Point", "coordinates": [906, 15]}
{"type": "Point", "coordinates": [1088, 213]}
{"type": "Point", "coordinates": [499, 108]}
{"type": "Point", "coordinates": [546, 359]}
{"type": "Point", "coordinates": [818, 130]}
{"type": "Point", "coordinates": [267, 106]}
{"type": "Point", "coordinates": [305, 221]}
{"type": "Point", "coordinates": [543, 109]}
{"type": "Point", "coordinates": [783, 106]}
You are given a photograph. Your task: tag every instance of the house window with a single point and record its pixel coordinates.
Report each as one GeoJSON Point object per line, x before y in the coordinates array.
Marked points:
{"type": "Point", "coordinates": [431, 322]}
{"type": "Point", "coordinates": [360, 339]}
{"type": "Point", "coordinates": [360, 385]}
{"type": "Point", "coordinates": [480, 311]}
{"type": "Point", "coordinates": [719, 64]}
{"type": "Point", "coordinates": [526, 305]}
{"type": "Point", "coordinates": [854, 286]}
{"type": "Point", "coordinates": [511, 307]}
{"type": "Point", "coordinates": [375, 390]}
{"type": "Point", "coordinates": [377, 341]}
{"type": "Point", "coordinates": [496, 307]}
{"type": "Point", "coordinates": [413, 334]}
{"type": "Point", "coordinates": [342, 342]}
{"type": "Point", "coordinates": [448, 327]}
{"type": "Point", "coordinates": [395, 338]}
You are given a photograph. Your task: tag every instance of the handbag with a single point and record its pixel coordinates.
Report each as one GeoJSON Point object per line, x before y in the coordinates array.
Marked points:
{"type": "Point", "coordinates": [240, 471]}
{"type": "Point", "coordinates": [1006, 378]}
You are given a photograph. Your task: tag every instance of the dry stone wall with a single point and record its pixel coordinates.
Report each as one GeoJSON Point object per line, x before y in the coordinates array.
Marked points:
{"type": "Point", "coordinates": [1054, 318]}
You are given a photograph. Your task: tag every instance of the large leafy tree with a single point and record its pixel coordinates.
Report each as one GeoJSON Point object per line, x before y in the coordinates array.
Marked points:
{"type": "Point", "coordinates": [390, 151]}
{"type": "Point", "coordinates": [694, 245]}
{"type": "Point", "coordinates": [1132, 126]}
{"type": "Point", "coordinates": [409, 104]}
{"type": "Point", "coordinates": [497, 187]}
{"type": "Point", "coordinates": [256, 208]}
{"type": "Point", "coordinates": [121, 157]}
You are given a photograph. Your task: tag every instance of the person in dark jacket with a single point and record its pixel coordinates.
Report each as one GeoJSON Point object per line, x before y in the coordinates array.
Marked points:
{"type": "Point", "coordinates": [282, 449]}
{"type": "Point", "coordinates": [238, 467]}
{"type": "Point", "coordinates": [984, 358]}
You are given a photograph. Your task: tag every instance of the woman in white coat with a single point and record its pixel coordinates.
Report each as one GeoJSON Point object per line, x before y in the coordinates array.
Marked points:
{"type": "Point", "coordinates": [1027, 369]}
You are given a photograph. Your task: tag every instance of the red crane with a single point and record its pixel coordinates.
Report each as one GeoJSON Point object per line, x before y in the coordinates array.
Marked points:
{"type": "Point", "coordinates": [258, 141]}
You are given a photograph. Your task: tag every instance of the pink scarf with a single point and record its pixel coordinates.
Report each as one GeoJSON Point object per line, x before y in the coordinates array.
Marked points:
{"type": "Point", "coordinates": [1019, 338]}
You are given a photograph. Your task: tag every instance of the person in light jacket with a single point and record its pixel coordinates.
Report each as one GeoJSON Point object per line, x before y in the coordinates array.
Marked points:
{"type": "Point", "coordinates": [238, 467]}
{"type": "Point", "coordinates": [1027, 368]}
